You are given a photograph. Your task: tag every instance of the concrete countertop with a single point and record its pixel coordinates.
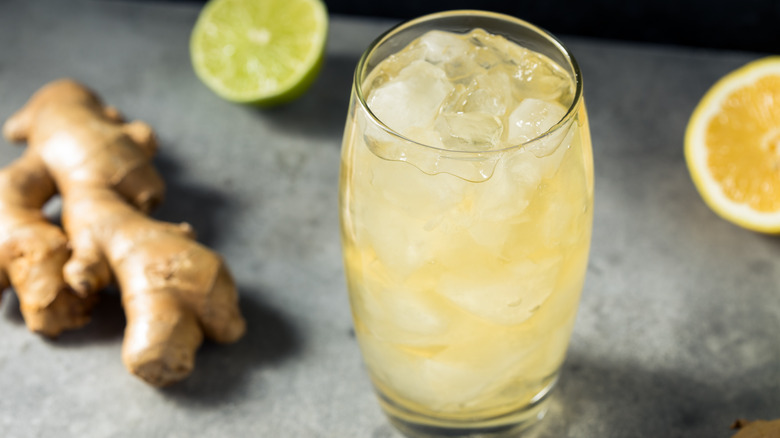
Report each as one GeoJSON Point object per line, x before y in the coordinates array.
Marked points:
{"type": "Point", "coordinates": [678, 331]}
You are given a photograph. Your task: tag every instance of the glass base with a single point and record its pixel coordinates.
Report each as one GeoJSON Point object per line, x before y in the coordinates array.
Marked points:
{"type": "Point", "coordinates": [512, 424]}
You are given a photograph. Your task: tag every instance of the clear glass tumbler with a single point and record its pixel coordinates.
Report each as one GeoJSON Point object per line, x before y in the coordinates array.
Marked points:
{"type": "Point", "coordinates": [466, 197]}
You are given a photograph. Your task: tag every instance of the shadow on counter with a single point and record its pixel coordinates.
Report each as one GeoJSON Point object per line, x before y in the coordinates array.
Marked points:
{"type": "Point", "coordinates": [220, 370]}
{"type": "Point", "coordinates": [207, 209]}
{"type": "Point", "coordinates": [624, 399]}
{"type": "Point", "coordinates": [323, 107]}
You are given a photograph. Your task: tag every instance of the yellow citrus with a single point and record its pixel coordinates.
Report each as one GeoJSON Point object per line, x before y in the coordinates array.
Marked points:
{"type": "Point", "coordinates": [732, 146]}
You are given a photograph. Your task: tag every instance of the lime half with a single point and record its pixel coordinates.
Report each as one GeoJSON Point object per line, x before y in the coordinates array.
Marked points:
{"type": "Point", "coordinates": [259, 51]}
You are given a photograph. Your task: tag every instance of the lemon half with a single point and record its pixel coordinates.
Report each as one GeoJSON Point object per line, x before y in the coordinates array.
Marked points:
{"type": "Point", "coordinates": [732, 146]}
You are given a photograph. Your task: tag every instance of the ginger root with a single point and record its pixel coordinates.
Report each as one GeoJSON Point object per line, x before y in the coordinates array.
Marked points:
{"type": "Point", "coordinates": [757, 428]}
{"type": "Point", "coordinates": [33, 251]}
{"type": "Point", "coordinates": [174, 290]}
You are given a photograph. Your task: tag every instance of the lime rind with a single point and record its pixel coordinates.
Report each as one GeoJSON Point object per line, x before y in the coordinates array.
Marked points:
{"type": "Point", "coordinates": [259, 52]}
{"type": "Point", "coordinates": [696, 155]}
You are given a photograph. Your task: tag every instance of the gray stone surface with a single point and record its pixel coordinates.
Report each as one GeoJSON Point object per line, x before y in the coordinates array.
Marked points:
{"type": "Point", "coordinates": [678, 330]}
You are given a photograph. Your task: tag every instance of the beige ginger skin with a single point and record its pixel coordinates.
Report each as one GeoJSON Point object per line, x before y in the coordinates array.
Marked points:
{"type": "Point", "coordinates": [174, 290]}
{"type": "Point", "coordinates": [33, 251]}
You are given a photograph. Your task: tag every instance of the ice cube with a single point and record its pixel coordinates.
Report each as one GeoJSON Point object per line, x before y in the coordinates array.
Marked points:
{"type": "Point", "coordinates": [395, 201]}
{"type": "Point", "coordinates": [456, 99]}
{"type": "Point", "coordinates": [455, 377]}
{"type": "Point", "coordinates": [393, 64]}
{"type": "Point", "coordinates": [485, 100]}
{"type": "Point", "coordinates": [397, 369]}
{"type": "Point", "coordinates": [482, 38]}
{"type": "Point", "coordinates": [412, 98]}
{"type": "Point", "coordinates": [441, 47]}
{"type": "Point", "coordinates": [472, 372]}
{"type": "Point", "coordinates": [502, 205]}
{"type": "Point", "coordinates": [404, 312]}
{"type": "Point", "coordinates": [475, 131]}
{"type": "Point", "coordinates": [469, 58]}
{"type": "Point", "coordinates": [486, 57]}
{"type": "Point", "coordinates": [532, 118]}
{"type": "Point", "coordinates": [552, 149]}
{"type": "Point", "coordinates": [491, 234]}
{"type": "Point", "coordinates": [511, 52]}
{"type": "Point", "coordinates": [396, 314]}
{"type": "Point", "coordinates": [559, 221]}
{"type": "Point", "coordinates": [489, 94]}
{"type": "Point", "coordinates": [426, 136]}
{"type": "Point", "coordinates": [475, 60]}
{"type": "Point", "coordinates": [403, 187]}
{"type": "Point", "coordinates": [484, 93]}
{"type": "Point", "coordinates": [485, 51]}
{"type": "Point", "coordinates": [513, 186]}
{"type": "Point", "coordinates": [396, 237]}
{"type": "Point", "coordinates": [469, 118]}
{"type": "Point", "coordinates": [564, 213]}
{"type": "Point", "coordinates": [536, 76]}
{"type": "Point", "coordinates": [505, 295]}
{"type": "Point", "coordinates": [462, 69]}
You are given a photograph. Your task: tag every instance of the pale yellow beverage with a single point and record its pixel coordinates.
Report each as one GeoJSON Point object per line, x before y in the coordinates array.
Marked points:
{"type": "Point", "coordinates": [466, 207]}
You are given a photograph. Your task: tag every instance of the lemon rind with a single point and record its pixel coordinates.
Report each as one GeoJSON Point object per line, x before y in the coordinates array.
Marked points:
{"type": "Point", "coordinates": [696, 154]}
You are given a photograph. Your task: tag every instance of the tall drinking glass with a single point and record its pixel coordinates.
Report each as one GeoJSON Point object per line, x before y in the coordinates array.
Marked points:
{"type": "Point", "coordinates": [466, 197]}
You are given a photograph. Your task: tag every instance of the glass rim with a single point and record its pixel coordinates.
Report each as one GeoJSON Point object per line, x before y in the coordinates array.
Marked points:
{"type": "Point", "coordinates": [570, 112]}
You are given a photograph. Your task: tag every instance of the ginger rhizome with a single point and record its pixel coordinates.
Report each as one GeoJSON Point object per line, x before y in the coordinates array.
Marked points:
{"type": "Point", "coordinates": [33, 251]}
{"type": "Point", "coordinates": [756, 428]}
{"type": "Point", "coordinates": [174, 290]}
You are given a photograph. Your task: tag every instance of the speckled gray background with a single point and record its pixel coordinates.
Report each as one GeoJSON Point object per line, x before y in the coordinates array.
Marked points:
{"type": "Point", "coordinates": [678, 330]}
